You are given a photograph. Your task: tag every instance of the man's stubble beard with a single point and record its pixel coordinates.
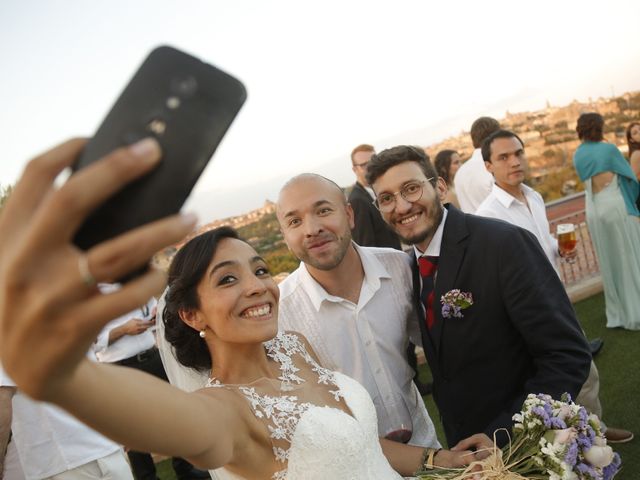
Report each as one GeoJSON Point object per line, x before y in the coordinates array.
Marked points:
{"type": "Point", "coordinates": [344, 243]}
{"type": "Point", "coordinates": [429, 232]}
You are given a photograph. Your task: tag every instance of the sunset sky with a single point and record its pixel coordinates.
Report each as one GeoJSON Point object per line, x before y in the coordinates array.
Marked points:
{"type": "Point", "coordinates": [322, 77]}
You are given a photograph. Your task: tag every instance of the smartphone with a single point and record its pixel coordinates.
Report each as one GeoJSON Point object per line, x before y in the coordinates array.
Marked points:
{"type": "Point", "coordinates": [187, 105]}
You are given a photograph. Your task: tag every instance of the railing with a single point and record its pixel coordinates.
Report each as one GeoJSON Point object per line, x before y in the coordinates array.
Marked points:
{"type": "Point", "coordinates": [571, 209]}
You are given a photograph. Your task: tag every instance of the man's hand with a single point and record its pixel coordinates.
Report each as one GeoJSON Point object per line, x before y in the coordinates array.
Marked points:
{"type": "Point", "coordinates": [481, 445]}
{"type": "Point", "coordinates": [136, 326]}
{"type": "Point", "coordinates": [569, 256]}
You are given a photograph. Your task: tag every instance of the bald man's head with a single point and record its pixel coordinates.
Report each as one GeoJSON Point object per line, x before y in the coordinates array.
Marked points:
{"type": "Point", "coordinates": [315, 220]}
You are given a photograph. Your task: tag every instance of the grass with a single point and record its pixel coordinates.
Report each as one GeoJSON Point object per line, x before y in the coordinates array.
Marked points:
{"type": "Point", "coordinates": [618, 364]}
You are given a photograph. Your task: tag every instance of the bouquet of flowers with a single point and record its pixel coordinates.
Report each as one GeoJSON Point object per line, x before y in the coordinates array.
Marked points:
{"type": "Point", "coordinates": [552, 440]}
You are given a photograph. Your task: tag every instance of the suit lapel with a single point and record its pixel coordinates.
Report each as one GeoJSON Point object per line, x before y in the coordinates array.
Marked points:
{"type": "Point", "coordinates": [452, 252]}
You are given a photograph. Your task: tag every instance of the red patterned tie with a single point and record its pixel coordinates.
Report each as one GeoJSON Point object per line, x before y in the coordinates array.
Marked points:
{"type": "Point", "coordinates": [428, 267]}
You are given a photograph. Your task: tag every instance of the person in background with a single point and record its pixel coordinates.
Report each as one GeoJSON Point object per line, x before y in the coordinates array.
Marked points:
{"type": "Point", "coordinates": [51, 444]}
{"type": "Point", "coordinates": [633, 140]}
{"type": "Point", "coordinates": [514, 202]}
{"type": "Point", "coordinates": [447, 163]}
{"type": "Point", "coordinates": [472, 181]}
{"type": "Point", "coordinates": [369, 230]}
{"type": "Point", "coordinates": [612, 218]}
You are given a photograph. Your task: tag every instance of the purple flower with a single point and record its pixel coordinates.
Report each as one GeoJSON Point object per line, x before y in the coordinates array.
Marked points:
{"type": "Point", "coordinates": [542, 415]}
{"type": "Point", "coordinates": [610, 470]}
{"type": "Point", "coordinates": [557, 423]}
{"type": "Point", "coordinates": [584, 441]}
{"type": "Point", "coordinates": [454, 301]}
{"type": "Point", "coordinates": [571, 457]}
{"type": "Point", "coordinates": [587, 471]}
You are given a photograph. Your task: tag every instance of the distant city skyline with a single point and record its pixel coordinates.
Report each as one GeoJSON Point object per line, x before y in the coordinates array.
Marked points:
{"type": "Point", "coordinates": [322, 77]}
{"type": "Point", "coordinates": [212, 204]}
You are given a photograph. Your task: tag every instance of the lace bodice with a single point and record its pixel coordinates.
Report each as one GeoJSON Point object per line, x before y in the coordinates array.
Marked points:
{"type": "Point", "coordinates": [315, 441]}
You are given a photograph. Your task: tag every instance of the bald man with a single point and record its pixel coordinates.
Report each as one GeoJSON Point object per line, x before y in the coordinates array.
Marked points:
{"type": "Point", "coordinates": [353, 303]}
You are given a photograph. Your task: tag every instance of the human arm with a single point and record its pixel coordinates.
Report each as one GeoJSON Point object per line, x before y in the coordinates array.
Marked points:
{"type": "Point", "coordinates": [6, 413]}
{"type": "Point", "coordinates": [60, 319]}
{"type": "Point", "coordinates": [407, 459]}
{"type": "Point", "coordinates": [539, 310]}
{"type": "Point", "coordinates": [634, 161]}
{"type": "Point", "coordinates": [133, 326]}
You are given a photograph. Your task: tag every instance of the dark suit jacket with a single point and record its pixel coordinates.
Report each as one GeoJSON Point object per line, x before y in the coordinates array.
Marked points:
{"type": "Point", "coordinates": [370, 229]}
{"type": "Point", "coordinates": [520, 336]}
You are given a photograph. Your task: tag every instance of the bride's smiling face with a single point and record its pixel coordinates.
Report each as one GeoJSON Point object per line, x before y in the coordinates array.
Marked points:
{"type": "Point", "coordinates": [238, 297]}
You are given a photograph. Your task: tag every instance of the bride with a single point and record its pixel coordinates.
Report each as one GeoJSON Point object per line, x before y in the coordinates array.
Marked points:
{"type": "Point", "coordinates": [269, 409]}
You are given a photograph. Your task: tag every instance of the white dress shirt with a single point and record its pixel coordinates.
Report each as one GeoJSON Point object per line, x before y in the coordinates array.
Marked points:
{"type": "Point", "coordinates": [368, 340]}
{"type": "Point", "coordinates": [50, 441]}
{"type": "Point", "coordinates": [128, 345]}
{"type": "Point", "coordinates": [472, 182]}
{"type": "Point", "coordinates": [504, 206]}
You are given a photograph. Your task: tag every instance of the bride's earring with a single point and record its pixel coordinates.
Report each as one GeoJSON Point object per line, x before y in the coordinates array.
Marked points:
{"type": "Point", "coordinates": [203, 334]}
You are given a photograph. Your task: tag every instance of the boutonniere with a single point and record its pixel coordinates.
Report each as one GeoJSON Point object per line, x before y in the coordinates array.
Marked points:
{"type": "Point", "coordinates": [454, 301]}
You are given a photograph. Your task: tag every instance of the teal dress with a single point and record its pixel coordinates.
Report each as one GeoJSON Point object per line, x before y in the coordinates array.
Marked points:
{"type": "Point", "coordinates": [615, 233]}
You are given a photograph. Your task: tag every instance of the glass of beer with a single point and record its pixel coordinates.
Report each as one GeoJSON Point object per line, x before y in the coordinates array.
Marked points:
{"type": "Point", "coordinates": [567, 240]}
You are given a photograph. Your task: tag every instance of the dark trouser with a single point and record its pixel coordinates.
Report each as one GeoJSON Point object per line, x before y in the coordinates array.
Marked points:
{"type": "Point", "coordinates": [142, 463]}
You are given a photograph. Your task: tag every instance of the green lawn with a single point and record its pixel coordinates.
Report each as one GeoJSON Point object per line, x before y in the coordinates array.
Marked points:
{"type": "Point", "coordinates": [619, 366]}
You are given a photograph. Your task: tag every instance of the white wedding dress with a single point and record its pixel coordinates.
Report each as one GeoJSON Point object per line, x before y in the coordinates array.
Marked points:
{"type": "Point", "coordinates": [310, 441]}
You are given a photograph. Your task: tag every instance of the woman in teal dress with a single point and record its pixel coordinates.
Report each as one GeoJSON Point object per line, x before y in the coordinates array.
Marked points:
{"type": "Point", "coordinates": [613, 220]}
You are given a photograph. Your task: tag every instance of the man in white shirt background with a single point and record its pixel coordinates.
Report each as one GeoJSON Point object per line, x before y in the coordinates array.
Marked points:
{"type": "Point", "coordinates": [51, 444]}
{"type": "Point", "coordinates": [130, 341]}
{"type": "Point", "coordinates": [354, 304]}
{"type": "Point", "coordinates": [514, 202]}
{"type": "Point", "coordinates": [472, 181]}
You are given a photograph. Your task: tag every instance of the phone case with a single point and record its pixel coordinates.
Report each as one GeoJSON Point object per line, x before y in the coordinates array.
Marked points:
{"type": "Point", "coordinates": [187, 105]}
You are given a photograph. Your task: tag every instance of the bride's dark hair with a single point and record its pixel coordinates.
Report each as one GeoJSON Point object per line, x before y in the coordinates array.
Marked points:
{"type": "Point", "coordinates": [187, 269]}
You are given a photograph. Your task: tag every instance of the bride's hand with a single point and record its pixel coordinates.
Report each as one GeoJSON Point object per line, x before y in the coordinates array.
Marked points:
{"type": "Point", "coordinates": [50, 312]}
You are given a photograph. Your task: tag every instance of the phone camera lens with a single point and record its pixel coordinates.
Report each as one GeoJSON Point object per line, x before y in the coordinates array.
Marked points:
{"type": "Point", "coordinates": [184, 86]}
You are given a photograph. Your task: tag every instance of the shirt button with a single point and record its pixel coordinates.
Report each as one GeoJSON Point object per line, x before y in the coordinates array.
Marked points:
{"type": "Point", "coordinates": [367, 343]}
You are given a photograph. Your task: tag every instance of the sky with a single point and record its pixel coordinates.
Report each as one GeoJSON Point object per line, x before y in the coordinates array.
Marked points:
{"type": "Point", "coordinates": [322, 77]}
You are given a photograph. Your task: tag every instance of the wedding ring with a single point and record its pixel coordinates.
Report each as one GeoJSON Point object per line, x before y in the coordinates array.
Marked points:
{"type": "Point", "coordinates": [83, 267]}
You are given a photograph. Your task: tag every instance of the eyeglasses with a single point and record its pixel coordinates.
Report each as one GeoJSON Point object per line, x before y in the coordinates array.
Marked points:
{"type": "Point", "coordinates": [411, 192]}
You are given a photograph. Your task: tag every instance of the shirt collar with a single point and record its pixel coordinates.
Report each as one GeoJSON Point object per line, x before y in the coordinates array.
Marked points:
{"type": "Point", "coordinates": [506, 199]}
{"type": "Point", "coordinates": [374, 272]}
{"type": "Point", "coordinates": [370, 192]}
{"type": "Point", "coordinates": [433, 249]}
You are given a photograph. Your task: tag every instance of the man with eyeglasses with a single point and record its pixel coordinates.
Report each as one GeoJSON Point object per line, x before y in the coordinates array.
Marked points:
{"type": "Point", "coordinates": [369, 229]}
{"type": "Point", "coordinates": [495, 320]}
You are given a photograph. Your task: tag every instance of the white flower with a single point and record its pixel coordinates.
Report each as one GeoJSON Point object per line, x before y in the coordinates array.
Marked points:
{"type": "Point", "coordinates": [563, 437]}
{"type": "Point", "coordinates": [564, 412]}
{"type": "Point", "coordinates": [569, 475]}
{"type": "Point", "coordinates": [599, 456]}
{"type": "Point", "coordinates": [594, 421]}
